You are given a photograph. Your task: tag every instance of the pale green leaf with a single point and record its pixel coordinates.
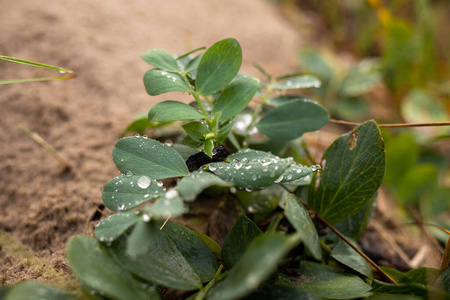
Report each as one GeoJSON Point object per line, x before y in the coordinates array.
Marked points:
{"type": "Point", "coordinates": [169, 110]}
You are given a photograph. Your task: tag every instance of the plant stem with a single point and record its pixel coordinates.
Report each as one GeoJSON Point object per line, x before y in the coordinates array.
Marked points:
{"type": "Point", "coordinates": [445, 262]}
{"type": "Point", "coordinates": [202, 293]}
{"type": "Point", "coordinates": [341, 236]}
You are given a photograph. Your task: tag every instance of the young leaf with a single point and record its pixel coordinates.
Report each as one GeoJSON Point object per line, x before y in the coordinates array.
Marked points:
{"type": "Point", "coordinates": [195, 183]}
{"type": "Point", "coordinates": [208, 147]}
{"type": "Point", "coordinates": [143, 156]}
{"type": "Point", "coordinates": [301, 221]}
{"type": "Point", "coordinates": [218, 66]}
{"type": "Point", "coordinates": [255, 265]}
{"type": "Point", "coordinates": [345, 254]}
{"type": "Point", "coordinates": [169, 110]}
{"type": "Point", "coordinates": [236, 96]}
{"type": "Point", "coordinates": [300, 82]}
{"type": "Point", "coordinates": [330, 283]}
{"type": "Point", "coordinates": [193, 249]}
{"type": "Point", "coordinates": [111, 227]}
{"type": "Point", "coordinates": [142, 238]}
{"type": "Point", "coordinates": [196, 130]}
{"type": "Point", "coordinates": [163, 265]}
{"type": "Point", "coordinates": [291, 120]}
{"type": "Point", "coordinates": [243, 232]}
{"type": "Point", "coordinates": [160, 59]}
{"type": "Point", "coordinates": [125, 192]}
{"type": "Point", "coordinates": [251, 169]}
{"type": "Point", "coordinates": [98, 271]}
{"type": "Point", "coordinates": [353, 172]}
{"type": "Point", "coordinates": [159, 82]}
{"type": "Point", "coordinates": [33, 290]}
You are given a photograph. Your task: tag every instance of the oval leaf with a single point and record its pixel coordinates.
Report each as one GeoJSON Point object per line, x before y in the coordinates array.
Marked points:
{"type": "Point", "coordinates": [111, 227]}
{"type": "Point", "coordinates": [243, 232]}
{"type": "Point", "coordinates": [195, 183]}
{"type": "Point", "coordinates": [301, 221]}
{"type": "Point", "coordinates": [347, 256]}
{"type": "Point", "coordinates": [170, 205]}
{"type": "Point", "coordinates": [299, 82]}
{"type": "Point", "coordinates": [126, 192]}
{"type": "Point", "coordinates": [169, 110]}
{"type": "Point", "coordinates": [160, 59]}
{"type": "Point", "coordinates": [142, 237]}
{"type": "Point", "coordinates": [291, 120]}
{"type": "Point", "coordinates": [218, 66]}
{"type": "Point", "coordinates": [255, 265]}
{"type": "Point", "coordinates": [236, 96]}
{"type": "Point", "coordinates": [353, 172]}
{"type": "Point", "coordinates": [144, 156]}
{"type": "Point", "coordinates": [158, 82]}
{"type": "Point", "coordinates": [33, 290]}
{"type": "Point", "coordinates": [98, 271]}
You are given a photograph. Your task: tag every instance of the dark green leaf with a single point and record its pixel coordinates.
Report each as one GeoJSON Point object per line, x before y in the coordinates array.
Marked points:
{"type": "Point", "coordinates": [274, 292]}
{"type": "Point", "coordinates": [300, 82]}
{"type": "Point", "coordinates": [160, 59]}
{"type": "Point", "coordinates": [142, 237]}
{"type": "Point", "coordinates": [193, 249]}
{"type": "Point", "coordinates": [408, 289]}
{"type": "Point", "coordinates": [255, 265]}
{"type": "Point", "coordinates": [111, 227]}
{"type": "Point", "coordinates": [170, 205]}
{"type": "Point", "coordinates": [224, 130]}
{"type": "Point", "coordinates": [251, 169]}
{"type": "Point", "coordinates": [139, 125]}
{"type": "Point", "coordinates": [344, 254]}
{"type": "Point", "coordinates": [169, 110]}
{"type": "Point", "coordinates": [261, 203]}
{"type": "Point", "coordinates": [184, 151]}
{"type": "Point", "coordinates": [330, 283]}
{"type": "Point", "coordinates": [291, 120]}
{"type": "Point", "coordinates": [195, 183]}
{"type": "Point", "coordinates": [143, 156]}
{"type": "Point", "coordinates": [163, 264]}
{"type": "Point", "coordinates": [218, 66]}
{"type": "Point", "coordinates": [33, 290]}
{"type": "Point", "coordinates": [125, 192]}
{"type": "Point", "coordinates": [98, 271]}
{"type": "Point", "coordinates": [243, 232]}
{"type": "Point", "coordinates": [296, 173]}
{"type": "Point", "coordinates": [353, 172]}
{"type": "Point", "coordinates": [158, 82]}
{"type": "Point", "coordinates": [212, 244]}
{"type": "Point", "coordinates": [301, 221]}
{"type": "Point", "coordinates": [236, 96]}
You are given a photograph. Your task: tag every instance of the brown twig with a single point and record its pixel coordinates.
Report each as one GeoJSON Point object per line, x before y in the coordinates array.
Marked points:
{"type": "Point", "coordinates": [342, 237]}
{"type": "Point", "coordinates": [445, 262]}
{"type": "Point", "coordinates": [430, 124]}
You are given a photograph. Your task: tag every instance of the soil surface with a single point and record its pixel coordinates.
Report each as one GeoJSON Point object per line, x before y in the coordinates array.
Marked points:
{"type": "Point", "coordinates": [42, 204]}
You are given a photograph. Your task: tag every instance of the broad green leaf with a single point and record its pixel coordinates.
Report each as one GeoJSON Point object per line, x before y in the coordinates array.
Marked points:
{"type": "Point", "coordinates": [95, 268]}
{"type": "Point", "coordinates": [224, 130]}
{"type": "Point", "coordinates": [295, 173]}
{"type": "Point", "coordinates": [243, 232]}
{"type": "Point", "coordinates": [193, 249]}
{"type": "Point", "coordinates": [425, 292]}
{"type": "Point", "coordinates": [251, 169]}
{"type": "Point", "coordinates": [195, 183]}
{"type": "Point", "coordinates": [212, 244]}
{"type": "Point", "coordinates": [277, 292]}
{"type": "Point", "coordinates": [184, 151]}
{"type": "Point", "coordinates": [255, 265]}
{"type": "Point", "coordinates": [353, 173]}
{"type": "Point", "coordinates": [345, 254]}
{"type": "Point", "coordinates": [208, 147]}
{"type": "Point", "coordinates": [313, 62]}
{"type": "Point", "coordinates": [125, 192]}
{"type": "Point", "coordinates": [291, 120]}
{"type": "Point", "coordinates": [163, 264]}
{"type": "Point", "coordinates": [261, 203]}
{"type": "Point", "coordinates": [425, 276]}
{"type": "Point", "coordinates": [236, 96]}
{"type": "Point", "coordinates": [443, 282]}
{"type": "Point", "coordinates": [196, 130]}
{"type": "Point", "coordinates": [111, 227]}
{"type": "Point", "coordinates": [301, 221]}
{"type": "Point", "coordinates": [359, 84]}
{"type": "Point", "coordinates": [139, 125]}
{"type": "Point", "coordinates": [300, 82]}
{"type": "Point", "coordinates": [169, 110]}
{"type": "Point", "coordinates": [218, 66]}
{"type": "Point", "coordinates": [33, 290]}
{"type": "Point", "coordinates": [285, 99]}
{"type": "Point", "coordinates": [191, 66]}
{"type": "Point", "coordinates": [142, 237]}
{"type": "Point", "coordinates": [330, 283]}
{"type": "Point", "coordinates": [160, 59]}
{"type": "Point", "coordinates": [158, 82]}
{"type": "Point", "coordinates": [169, 205]}
{"type": "Point", "coordinates": [144, 156]}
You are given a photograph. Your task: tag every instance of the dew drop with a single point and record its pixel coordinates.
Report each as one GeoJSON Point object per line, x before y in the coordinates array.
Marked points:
{"type": "Point", "coordinates": [137, 135]}
{"type": "Point", "coordinates": [248, 167]}
{"type": "Point", "coordinates": [121, 206]}
{"type": "Point", "coordinates": [128, 174]}
{"type": "Point", "coordinates": [144, 182]}
{"type": "Point", "coordinates": [171, 194]}
{"type": "Point", "coordinates": [168, 143]}
{"type": "Point", "coordinates": [146, 218]}
{"type": "Point", "coordinates": [233, 190]}
{"type": "Point", "coordinates": [249, 188]}
{"type": "Point", "coordinates": [299, 171]}
{"type": "Point", "coordinates": [238, 165]}
{"type": "Point", "coordinates": [212, 168]}
{"type": "Point", "coordinates": [254, 177]}
{"type": "Point", "coordinates": [278, 180]}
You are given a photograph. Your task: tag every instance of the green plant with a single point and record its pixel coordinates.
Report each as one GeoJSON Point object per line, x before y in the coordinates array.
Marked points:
{"type": "Point", "coordinates": [252, 157]}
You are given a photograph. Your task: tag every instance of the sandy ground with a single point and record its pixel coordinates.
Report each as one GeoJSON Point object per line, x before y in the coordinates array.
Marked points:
{"type": "Point", "coordinates": [42, 206]}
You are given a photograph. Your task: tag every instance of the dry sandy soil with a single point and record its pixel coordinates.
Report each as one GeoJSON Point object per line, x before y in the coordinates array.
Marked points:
{"type": "Point", "coordinates": [42, 206]}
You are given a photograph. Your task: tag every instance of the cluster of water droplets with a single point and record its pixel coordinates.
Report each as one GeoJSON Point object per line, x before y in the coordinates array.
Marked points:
{"type": "Point", "coordinates": [169, 76]}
